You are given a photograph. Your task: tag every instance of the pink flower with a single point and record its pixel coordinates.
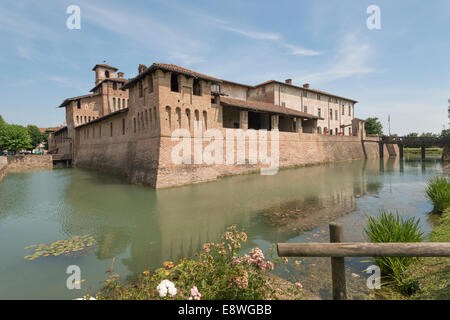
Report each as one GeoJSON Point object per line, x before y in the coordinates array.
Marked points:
{"type": "Point", "coordinates": [299, 285]}
{"type": "Point", "coordinates": [195, 295]}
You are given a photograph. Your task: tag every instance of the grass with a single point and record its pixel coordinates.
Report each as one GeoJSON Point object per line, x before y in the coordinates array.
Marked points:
{"type": "Point", "coordinates": [389, 227]}
{"type": "Point", "coordinates": [430, 151]}
{"type": "Point", "coordinates": [438, 191]}
{"type": "Point", "coordinates": [431, 276]}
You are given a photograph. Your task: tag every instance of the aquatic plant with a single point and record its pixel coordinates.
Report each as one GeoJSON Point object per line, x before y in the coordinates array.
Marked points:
{"type": "Point", "coordinates": [438, 191]}
{"type": "Point", "coordinates": [60, 247]}
{"type": "Point", "coordinates": [219, 272]}
{"type": "Point", "coordinates": [389, 227]}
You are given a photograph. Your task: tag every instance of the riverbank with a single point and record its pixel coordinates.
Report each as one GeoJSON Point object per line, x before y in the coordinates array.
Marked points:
{"type": "Point", "coordinates": [3, 167]}
{"type": "Point", "coordinates": [430, 276]}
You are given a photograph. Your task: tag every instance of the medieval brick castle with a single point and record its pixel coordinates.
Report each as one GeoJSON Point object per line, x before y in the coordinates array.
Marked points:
{"type": "Point", "coordinates": [125, 126]}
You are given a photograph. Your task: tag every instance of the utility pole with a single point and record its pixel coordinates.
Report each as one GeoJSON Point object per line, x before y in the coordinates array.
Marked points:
{"type": "Point", "coordinates": [389, 121]}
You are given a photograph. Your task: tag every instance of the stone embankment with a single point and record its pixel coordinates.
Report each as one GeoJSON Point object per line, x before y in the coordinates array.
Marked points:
{"type": "Point", "coordinates": [24, 162]}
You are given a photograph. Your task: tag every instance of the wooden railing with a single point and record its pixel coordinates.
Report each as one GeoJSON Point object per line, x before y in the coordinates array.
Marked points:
{"type": "Point", "coordinates": [338, 250]}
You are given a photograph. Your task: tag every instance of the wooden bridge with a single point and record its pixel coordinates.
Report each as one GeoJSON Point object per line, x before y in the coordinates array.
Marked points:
{"type": "Point", "coordinates": [417, 142]}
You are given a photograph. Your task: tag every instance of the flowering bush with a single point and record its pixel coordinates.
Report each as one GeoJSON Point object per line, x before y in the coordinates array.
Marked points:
{"type": "Point", "coordinates": [219, 272]}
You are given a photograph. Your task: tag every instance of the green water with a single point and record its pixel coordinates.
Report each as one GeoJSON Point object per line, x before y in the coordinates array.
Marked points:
{"type": "Point", "coordinates": [142, 227]}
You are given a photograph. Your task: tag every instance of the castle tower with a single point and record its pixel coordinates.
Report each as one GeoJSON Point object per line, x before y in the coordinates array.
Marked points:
{"type": "Point", "coordinates": [104, 71]}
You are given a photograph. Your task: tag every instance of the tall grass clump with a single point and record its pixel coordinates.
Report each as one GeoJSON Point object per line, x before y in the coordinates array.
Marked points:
{"type": "Point", "coordinates": [389, 227]}
{"type": "Point", "coordinates": [438, 191]}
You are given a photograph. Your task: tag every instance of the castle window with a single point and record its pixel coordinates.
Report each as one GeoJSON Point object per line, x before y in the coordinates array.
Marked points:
{"type": "Point", "coordinates": [150, 83]}
{"type": "Point", "coordinates": [188, 117]}
{"type": "Point", "coordinates": [111, 129]}
{"type": "Point", "coordinates": [78, 104]}
{"type": "Point", "coordinates": [141, 90]}
{"type": "Point", "coordinates": [89, 119]}
{"type": "Point", "coordinates": [343, 110]}
{"type": "Point", "coordinates": [106, 74]}
{"type": "Point", "coordinates": [114, 104]}
{"type": "Point", "coordinates": [178, 112]}
{"type": "Point", "coordinates": [197, 87]}
{"type": "Point", "coordinates": [118, 103]}
{"type": "Point", "coordinates": [349, 110]}
{"type": "Point", "coordinates": [215, 88]}
{"type": "Point", "coordinates": [305, 109]}
{"type": "Point", "coordinates": [134, 124]}
{"type": "Point", "coordinates": [169, 116]}
{"type": "Point", "coordinates": [114, 86]}
{"type": "Point", "coordinates": [78, 119]}
{"type": "Point", "coordinates": [174, 82]}
{"type": "Point", "coordinates": [318, 97]}
{"type": "Point", "coordinates": [205, 119]}
{"type": "Point", "coordinates": [123, 126]}
{"type": "Point", "coordinates": [337, 114]}
{"type": "Point", "coordinates": [197, 118]}
{"type": "Point", "coordinates": [85, 119]}
{"type": "Point", "coordinates": [331, 114]}
{"type": "Point", "coordinates": [319, 112]}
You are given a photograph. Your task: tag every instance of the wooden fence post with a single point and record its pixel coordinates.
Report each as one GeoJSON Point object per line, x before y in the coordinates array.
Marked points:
{"type": "Point", "coordinates": [337, 265]}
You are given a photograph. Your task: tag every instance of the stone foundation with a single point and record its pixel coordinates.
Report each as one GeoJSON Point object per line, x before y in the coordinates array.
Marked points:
{"type": "Point", "coordinates": [3, 167]}
{"type": "Point", "coordinates": [30, 162]}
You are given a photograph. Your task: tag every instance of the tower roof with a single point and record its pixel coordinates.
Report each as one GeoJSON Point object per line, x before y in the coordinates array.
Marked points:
{"type": "Point", "coordinates": [106, 66]}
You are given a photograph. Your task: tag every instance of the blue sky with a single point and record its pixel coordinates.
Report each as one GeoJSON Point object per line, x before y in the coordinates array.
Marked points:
{"type": "Point", "coordinates": [402, 70]}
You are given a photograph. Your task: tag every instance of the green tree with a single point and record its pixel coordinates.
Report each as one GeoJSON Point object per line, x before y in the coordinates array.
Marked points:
{"type": "Point", "coordinates": [14, 137]}
{"type": "Point", "coordinates": [2, 122]}
{"type": "Point", "coordinates": [412, 135]}
{"type": "Point", "coordinates": [428, 135]}
{"type": "Point", "coordinates": [373, 126]}
{"type": "Point", "coordinates": [37, 137]}
{"type": "Point", "coordinates": [445, 133]}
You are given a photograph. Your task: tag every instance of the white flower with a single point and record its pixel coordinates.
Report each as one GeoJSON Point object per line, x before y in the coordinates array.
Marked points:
{"type": "Point", "coordinates": [166, 286]}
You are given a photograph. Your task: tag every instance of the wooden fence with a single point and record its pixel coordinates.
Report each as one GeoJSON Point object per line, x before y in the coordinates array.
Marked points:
{"type": "Point", "coordinates": [338, 250]}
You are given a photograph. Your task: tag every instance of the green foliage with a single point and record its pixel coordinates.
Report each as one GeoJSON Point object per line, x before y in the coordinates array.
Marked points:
{"type": "Point", "coordinates": [2, 122]}
{"type": "Point", "coordinates": [373, 126]}
{"type": "Point", "coordinates": [445, 133]}
{"type": "Point", "coordinates": [438, 191]}
{"type": "Point", "coordinates": [387, 227]}
{"type": "Point", "coordinates": [412, 135]}
{"type": "Point", "coordinates": [57, 248]}
{"type": "Point", "coordinates": [14, 137]}
{"type": "Point", "coordinates": [219, 272]}
{"type": "Point", "coordinates": [37, 137]}
{"type": "Point", "coordinates": [428, 135]}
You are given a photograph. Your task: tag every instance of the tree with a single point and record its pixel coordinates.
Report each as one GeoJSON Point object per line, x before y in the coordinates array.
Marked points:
{"type": "Point", "coordinates": [445, 133]}
{"type": "Point", "coordinates": [428, 135]}
{"type": "Point", "coordinates": [37, 137]}
{"type": "Point", "coordinates": [14, 137]}
{"type": "Point", "coordinates": [2, 122]}
{"type": "Point", "coordinates": [373, 126]}
{"type": "Point", "coordinates": [412, 135]}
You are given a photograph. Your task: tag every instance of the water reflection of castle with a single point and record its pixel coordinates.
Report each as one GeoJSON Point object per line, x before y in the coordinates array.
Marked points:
{"type": "Point", "coordinates": [170, 224]}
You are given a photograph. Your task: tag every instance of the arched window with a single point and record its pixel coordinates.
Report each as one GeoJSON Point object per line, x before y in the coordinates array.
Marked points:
{"type": "Point", "coordinates": [146, 118]}
{"type": "Point", "coordinates": [134, 124]}
{"type": "Point", "coordinates": [205, 119]}
{"type": "Point", "coordinates": [89, 119]}
{"type": "Point", "coordinates": [178, 112]}
{"type": "Point", "coordinates": [106, 74]}
{"type": "Point", "coordinates": [188, 117]}
{"type": "Point", "coordinates": [169, 116]}
{"type": "Point", "coordinates": [118, 103]}
{"type": "Point", "coordinates": [111, 129]}
{"type": "Point", "coordinates": [197, 119]}
{"type": "Point", "coordinates": [78, 119]}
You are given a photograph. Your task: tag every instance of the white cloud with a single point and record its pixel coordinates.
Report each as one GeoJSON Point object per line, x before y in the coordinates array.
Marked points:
{"type": "Point", "coordinates": [24, 52]}
{"type": "Point", "coordinates": [253, 34]}
{"type": "Point", "coordinates": [353, 59]}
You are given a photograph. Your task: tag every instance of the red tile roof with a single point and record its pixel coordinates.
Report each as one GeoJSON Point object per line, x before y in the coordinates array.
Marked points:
{"type": "Point", "coordinates": [172, 68]}
{"type": "Point", "coordinates": [66, 102]}
{"type": "Point", "coordinates": [108, 79]}
{"type": "Point", "coordinates": [265, 106]}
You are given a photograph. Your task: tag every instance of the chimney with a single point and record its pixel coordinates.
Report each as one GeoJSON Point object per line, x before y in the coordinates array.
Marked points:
{"type": "Point", "coordinates": [141, 68]}
{"type": "Point", "coordinates": [288, 81]}
{"type": "Point", "coordinates": [306, 86]}
{"type": "Point", "coordinates": [120, 74]}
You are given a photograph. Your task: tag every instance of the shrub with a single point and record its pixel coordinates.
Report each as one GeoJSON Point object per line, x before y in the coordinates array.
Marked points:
{"type": "Point", "coordinates": [219, 272]}
{"type": "Point", "coordinates": [387, 227]}
{"type": "Point", "coordinates": [438, 191]}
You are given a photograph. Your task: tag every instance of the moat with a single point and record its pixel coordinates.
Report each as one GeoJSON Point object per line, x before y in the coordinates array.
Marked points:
{"type": "Point", "coordinates": [142, 227]}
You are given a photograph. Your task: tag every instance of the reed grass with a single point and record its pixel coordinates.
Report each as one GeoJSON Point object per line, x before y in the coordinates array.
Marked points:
{"type": "Point", "coordinates": [438, 191]}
